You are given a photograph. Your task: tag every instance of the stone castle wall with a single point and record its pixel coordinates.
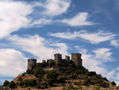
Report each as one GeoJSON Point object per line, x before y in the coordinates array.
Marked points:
{"type": "Point", "coordinates": [75, 58]}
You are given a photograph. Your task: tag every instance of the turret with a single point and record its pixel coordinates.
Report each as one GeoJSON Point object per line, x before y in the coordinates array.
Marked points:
{"type": "Point", "coordinates": [57, 58]}
{"type": "Point", "coordinates": [76, 58]}
{"type": "Point", "coordinates": [67, 58]}
{"type": "Point", "coordinates": [31, 64]}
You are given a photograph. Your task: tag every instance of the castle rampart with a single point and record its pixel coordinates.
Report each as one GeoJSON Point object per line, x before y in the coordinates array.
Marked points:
{"type": "Point", "coordinates": [58, 62]}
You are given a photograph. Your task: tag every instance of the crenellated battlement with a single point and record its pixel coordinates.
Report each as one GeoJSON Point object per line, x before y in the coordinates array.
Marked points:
{"type": "Point", "coordinates": [75, 59]}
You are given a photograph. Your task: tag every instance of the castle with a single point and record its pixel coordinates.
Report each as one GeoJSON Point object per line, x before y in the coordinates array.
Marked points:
{"type": "Point", "coordinates": [75, 60]}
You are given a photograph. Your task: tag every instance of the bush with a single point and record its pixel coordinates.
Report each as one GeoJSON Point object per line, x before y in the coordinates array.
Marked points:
{"type": "Point", "coordinates": [12, 84]}
{"type": "Point", "coordinates": [23, 74]}
{"type": "Point", "coordinates": [61, 80]}
{"type": "Point", "coordinates": [81, 71]}
{"type": "Point", "coordinates": [77, 83]}
{"type": "Point", "coordinates": [29, 71]}
{"type": "Point", "coordinates": [27, 83]}
{"type": "Point", "coordinates": [92, 73]}
{"type": "Point", "coordinates": [87, 82]}
{"type": "Point", "coordinates": [113, 83]}
{"type": "Point", "coordinates": [44, 85]}
{"type": "Point", "coordinates": [6, 83]}
{"type": "Point", "coordinates": [97, 88]}
{"type": "Point", "coordinates": [52, 74]}
{"type": "Point", "coordinates": [20, 79]}
{"type": "Point", "coordinates": [68, 72]}
{"type": "Point", "coordinates": [104, 84]}
{"type": "Point", "coordinates": [52, 77]}
{"type": "Point", "coordinates": [39, 71]}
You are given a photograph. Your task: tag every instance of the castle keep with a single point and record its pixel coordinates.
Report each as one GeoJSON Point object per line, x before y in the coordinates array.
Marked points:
{"type": "Point", "coordinates": [58, 61]}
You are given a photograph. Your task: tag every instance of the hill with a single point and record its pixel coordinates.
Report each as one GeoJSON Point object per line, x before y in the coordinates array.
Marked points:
{"type": "Point", "coordinates": [60, 74]}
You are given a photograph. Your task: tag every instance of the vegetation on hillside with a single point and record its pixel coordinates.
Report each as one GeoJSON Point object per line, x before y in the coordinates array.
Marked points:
{"type": "Point", "coordinates": [45, 79]}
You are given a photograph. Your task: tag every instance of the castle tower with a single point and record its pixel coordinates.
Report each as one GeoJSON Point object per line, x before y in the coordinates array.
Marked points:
{"type": "Point", "coordinates": [67, 58]}
{"type": "Point", "coordinates": [31, 64]}
{"type": "Point", "coordinates": [76, 58]}
{"type": "Point", "coordinates": [57, 58]}
{"type": "Point", "coordinates": [50, 62]}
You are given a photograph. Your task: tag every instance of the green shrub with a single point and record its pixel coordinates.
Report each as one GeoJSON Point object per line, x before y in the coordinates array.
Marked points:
{"type": "Point", "coordinates": [12, 84]}
{"type": "Point", "coordinates": [97, 88]}
{"type": "Point", "coordinates": [44, 85]}
{"type": "Point", "coordinates": [38, 71]}
{"type": "Point", "coordinates": [113, 83]}
{"type": "Point", "coordinates": [61, 80]}
{"type": "Point", "coordinates": [92, 73]}
{"type": "Point", "coordinates": [29, 71]}
{"type": "Point", "coordinates": [52, 74]}
{"type": "Point", "coordinates": [104, 84]}
{"type": "Point", "coordinates": [52, 77]}
{"type": "Point", "coordinates": [77, 83]}
{"type": "Point", "coordinates": [27, 83]}
{"type": "Point", "coordinates": [6, 83]}
{"type": "Point", "coordinates": [87, 82]}
{"type": "Point", "coordinates": [68, 72]}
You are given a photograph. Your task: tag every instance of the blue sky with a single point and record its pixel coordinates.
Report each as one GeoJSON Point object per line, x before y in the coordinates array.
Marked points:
{"type": "Point", "coordinates": [40, 28]}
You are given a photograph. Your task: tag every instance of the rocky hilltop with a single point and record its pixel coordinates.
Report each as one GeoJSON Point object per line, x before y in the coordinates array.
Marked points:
{"type": "Point", "coordinates": [60, 74]}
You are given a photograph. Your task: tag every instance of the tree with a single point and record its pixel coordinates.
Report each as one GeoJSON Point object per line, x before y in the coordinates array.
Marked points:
{"type": "Point", "coordinates": [39, 71]}
{"type": "Point", "coordinates": [52, 77]}
{"type": "Point", "coordinates": [29, 71]}
{"type": "Point", "coordinates": [92, 73]}
{"type": "Point", "coordinates": [6, 83]}
{"type": "Point", "coordinates": [12, 84]}
{"type": "Point", "coordinates": [113, 83]}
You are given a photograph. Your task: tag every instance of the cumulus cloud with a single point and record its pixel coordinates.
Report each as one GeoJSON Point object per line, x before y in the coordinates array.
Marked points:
{"type": "Point", "coordinates": [115, 43]}
{"type": "Point", "coordinates": [103, 54]}
{"type": "Point", "coordinates": [65, 35]}
{"type": "Point", "coordinates": [13, 16]}
{"type": "Point", "coordinates": [41, 21]}
{"type": "Point", "coordinates": [12, 62]}
{"type": "Point", "coordinates": [78, 20]}
{"type": "Point", "coordinates": [113, 75]}
{"type": "Point", "coordinates": [38, 46]}
{"type": "Point", "coordinates": [94, 60]}
{"type": "Point", "coordinates": [93, 38]}
{"type": "Point", "coordinates": [55, 7]}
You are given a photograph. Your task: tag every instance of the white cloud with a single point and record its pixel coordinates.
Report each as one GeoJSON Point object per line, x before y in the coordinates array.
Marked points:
{"type": "Point", "coordinates": [78, 20]}
{"type": "Point", "coordinates": [56, 7]}
{"type": "Point", "coordinates": [113, 75]}
{"type": "Point", "coordinates": [94, 60]}
{"type": "Point", "coordinates": [13, 16]}
{"type": "Point", "coordinates": [41, 21]}
{"type": "Point", "coordinates": [104, 54]}
{"type": "Point", "coordinates": [38, 46]}
{"type": "Point", "coordinates": [93, 64]}
{"type": "Point", "coordinates": [93, 38]}
{"type": "Point", "coordinates": [67, 35]}
{"type": "Point", "coordinates": [115, 43]}
{"type": "Point", "coordinates": [12, 62]}
{"type": "Point", "coordinates": [97, 37]}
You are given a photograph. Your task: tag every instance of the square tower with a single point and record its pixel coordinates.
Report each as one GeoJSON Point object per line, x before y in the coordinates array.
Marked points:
{"type": "Point", "coordinates": [31, 64]}
{"type": "Point", "coordinates": [57, 58]}
{"type": "Point", "coordinates": [76, 58]}
{"type": "Point", "coordinates": [67, 58]}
